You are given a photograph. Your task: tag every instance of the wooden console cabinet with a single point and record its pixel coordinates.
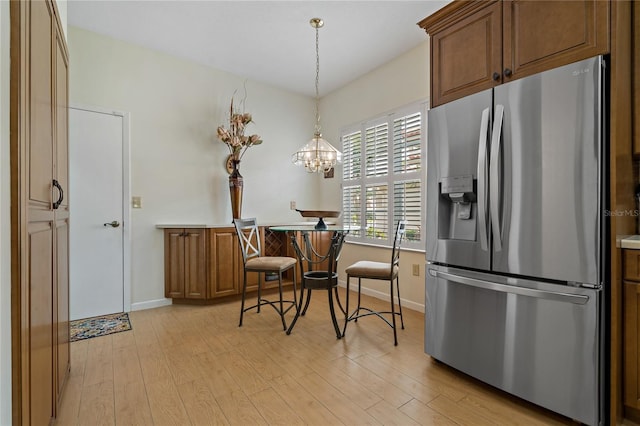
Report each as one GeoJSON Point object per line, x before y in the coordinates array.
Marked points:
{"type": "Point", "coordinates": [476, 45]}
{"type": "Point", "coordinates": [202, 264]}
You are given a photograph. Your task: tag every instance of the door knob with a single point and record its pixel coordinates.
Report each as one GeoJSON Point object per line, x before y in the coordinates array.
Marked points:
{"type": "Point", "coordinates": [113, 224]}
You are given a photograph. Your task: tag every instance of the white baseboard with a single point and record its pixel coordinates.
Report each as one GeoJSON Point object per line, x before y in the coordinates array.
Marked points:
{"type": "Point", "coordinates": [384, 296]}
{"type": "Point", "coordinates": [149, 304]}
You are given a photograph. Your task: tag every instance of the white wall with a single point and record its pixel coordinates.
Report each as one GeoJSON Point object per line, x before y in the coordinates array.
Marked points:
{"type": "Point", "coordinates": [177, 163]}
{"type": "Point", "coordinates": [400, 82]}
{"type": "Point", "coordinates": [5, 222]}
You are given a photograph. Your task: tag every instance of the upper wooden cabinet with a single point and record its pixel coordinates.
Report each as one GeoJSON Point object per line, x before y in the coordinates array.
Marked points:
{"type": "Point", "coordinates": [479, 44]}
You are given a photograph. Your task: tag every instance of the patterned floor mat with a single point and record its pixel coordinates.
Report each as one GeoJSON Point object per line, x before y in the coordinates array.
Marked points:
{"type": "Point", "coordinates": [99, 326]}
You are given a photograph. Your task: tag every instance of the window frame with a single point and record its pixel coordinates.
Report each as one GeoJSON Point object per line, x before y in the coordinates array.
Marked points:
{"type": "Point", "coordinates": [391, 178]}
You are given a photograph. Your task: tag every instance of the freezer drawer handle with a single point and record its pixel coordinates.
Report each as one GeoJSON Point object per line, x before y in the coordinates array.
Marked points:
{"type": "Point", "coordinates": [524, 291]}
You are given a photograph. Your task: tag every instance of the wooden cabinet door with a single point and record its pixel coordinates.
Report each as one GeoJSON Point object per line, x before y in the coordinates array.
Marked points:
{"type": "Point", "coordinates": [61, 169]}
{"type": "Point", "coordinates": [541, 35]}
{"type": "Point", "coordinates": [40, 144]}
{"type": "Point", "coordinates": [61, 319]}
{"type": "Point", "coordinates": [39, 362]}
{"type": "Point", "coordinates": [466, 49]}
{"type": "Point", "coordinates": [174, 263]}
{"type": "Point", "coordinates": [631, 328]}
{"type": "Point", "coordinates": [224, 257]}
{"type": "Point", "coordinates": [40, 290]}
{"type": "Point", "coordinates": [195, 272]}
{"type": "Point", "coordinates": [322, 244]}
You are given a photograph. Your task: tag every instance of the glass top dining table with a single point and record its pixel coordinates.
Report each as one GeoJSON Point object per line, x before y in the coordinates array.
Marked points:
{"type": "Point", "coordinates": [318, 269]}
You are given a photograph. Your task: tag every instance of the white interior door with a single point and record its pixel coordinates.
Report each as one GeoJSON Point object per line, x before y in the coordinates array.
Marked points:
{"type": "Point", "coordinates": [97, 217]}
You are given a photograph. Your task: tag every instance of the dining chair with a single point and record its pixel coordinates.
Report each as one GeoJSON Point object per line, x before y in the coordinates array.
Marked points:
{"type": "Point", "coordinates": [254, 261]}
{"type": "Point", "coordinates": [365, 269]}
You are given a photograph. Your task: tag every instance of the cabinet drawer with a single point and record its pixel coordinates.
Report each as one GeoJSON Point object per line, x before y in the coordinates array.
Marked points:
{"type": "Point", "coordinates": [632, 265]}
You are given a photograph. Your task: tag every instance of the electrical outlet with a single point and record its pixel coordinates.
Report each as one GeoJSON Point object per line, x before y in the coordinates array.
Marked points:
{"type": "Point", "coordinates": [292, 205]}
{"type": "Point", "coordinates": [416, 269]}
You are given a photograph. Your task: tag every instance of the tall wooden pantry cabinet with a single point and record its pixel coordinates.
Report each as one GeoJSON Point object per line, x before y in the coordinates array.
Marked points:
{"type": "Point", "coordinates": [39, 211]}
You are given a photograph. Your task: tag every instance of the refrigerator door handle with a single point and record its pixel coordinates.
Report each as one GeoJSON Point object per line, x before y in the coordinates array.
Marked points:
{"type": "Point", "coordinates": [524, 291]}
{"type": "Point", "coordinates": [495, 184]}
{"type": "Point", "coordinates": [482, 179]}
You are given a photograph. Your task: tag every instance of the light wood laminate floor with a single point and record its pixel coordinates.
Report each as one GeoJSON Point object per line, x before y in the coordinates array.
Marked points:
{"type": "Point", "coordinates": [193, 365]}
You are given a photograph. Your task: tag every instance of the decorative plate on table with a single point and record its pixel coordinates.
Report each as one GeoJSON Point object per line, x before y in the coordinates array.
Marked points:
{"type": "Point", "coordinates": [320, 214]}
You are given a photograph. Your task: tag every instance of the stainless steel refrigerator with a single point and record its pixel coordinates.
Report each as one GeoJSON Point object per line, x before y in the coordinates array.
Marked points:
{"type": "Point", "coordinates": [515, 237]}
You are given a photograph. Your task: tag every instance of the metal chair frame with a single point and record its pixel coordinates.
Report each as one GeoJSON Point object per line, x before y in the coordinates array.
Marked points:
{"type": "Point", "coordinates": [251, 250]}
{"type": "Point", "coordinates": [395, 264]}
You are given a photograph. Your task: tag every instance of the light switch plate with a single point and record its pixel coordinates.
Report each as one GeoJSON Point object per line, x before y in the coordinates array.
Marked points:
{"type": "Point", "coordinates": [136, 202]}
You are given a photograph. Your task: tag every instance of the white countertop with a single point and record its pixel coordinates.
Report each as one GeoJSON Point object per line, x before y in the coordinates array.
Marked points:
{"type": "Point", "coordinates": [630, 242]}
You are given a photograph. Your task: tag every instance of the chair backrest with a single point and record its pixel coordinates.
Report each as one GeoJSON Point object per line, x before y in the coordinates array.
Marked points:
{"type": "Point", "coordinates": [249, 237]}
{"type": "Point", "coordinates": [395, 254]}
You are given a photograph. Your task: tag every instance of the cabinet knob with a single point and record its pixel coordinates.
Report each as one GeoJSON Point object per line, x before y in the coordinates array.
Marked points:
{"type": "Point", "coordinates": [507, 72]}
{"type": "Point", "coordinates": [496, 76]}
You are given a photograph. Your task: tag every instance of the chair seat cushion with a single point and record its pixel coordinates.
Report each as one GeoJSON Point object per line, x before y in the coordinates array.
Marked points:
{"type": "Point", "coordinates": [374, 270]}
{"type": "Point", "coordinates": [270, 263]}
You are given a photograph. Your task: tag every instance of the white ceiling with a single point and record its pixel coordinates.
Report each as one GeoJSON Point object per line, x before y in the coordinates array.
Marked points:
{"type": "Point", "coordinates": [268, 41]}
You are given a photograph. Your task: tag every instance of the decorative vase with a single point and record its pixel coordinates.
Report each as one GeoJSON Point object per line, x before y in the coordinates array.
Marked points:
{"type": "Point", "coordinates": [235, 189]}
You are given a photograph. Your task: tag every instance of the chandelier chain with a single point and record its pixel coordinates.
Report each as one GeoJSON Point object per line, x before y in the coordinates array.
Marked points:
{"type": "Point", "coordinates": [317, 155]}
{"type": "Point", "coordinates": [317, 81]}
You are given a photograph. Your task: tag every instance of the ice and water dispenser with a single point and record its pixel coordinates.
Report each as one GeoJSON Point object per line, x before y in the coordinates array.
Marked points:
{"type": "Point", "coordinates": [457, 208]}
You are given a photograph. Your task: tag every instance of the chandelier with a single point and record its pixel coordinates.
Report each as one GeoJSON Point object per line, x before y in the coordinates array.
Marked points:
{"type": "Point", "coordinates": [317, 155]}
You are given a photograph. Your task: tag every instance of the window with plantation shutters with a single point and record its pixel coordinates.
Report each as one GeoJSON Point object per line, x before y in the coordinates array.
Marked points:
{"type": "Point", "coordinates": [383, 177]}
{"type": "Point", "coordinates": [376, 150]}
{"type": "Point", "coordinates": [351, 208]}
{"type": "Point", "coordinates": [377, 212]}
{"type": "Point", "coordinates": [407, 205]}
{"type": "Point", "coordinates": [351, 155]}
{"type": "Point", "coordinates": [407, 136]}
